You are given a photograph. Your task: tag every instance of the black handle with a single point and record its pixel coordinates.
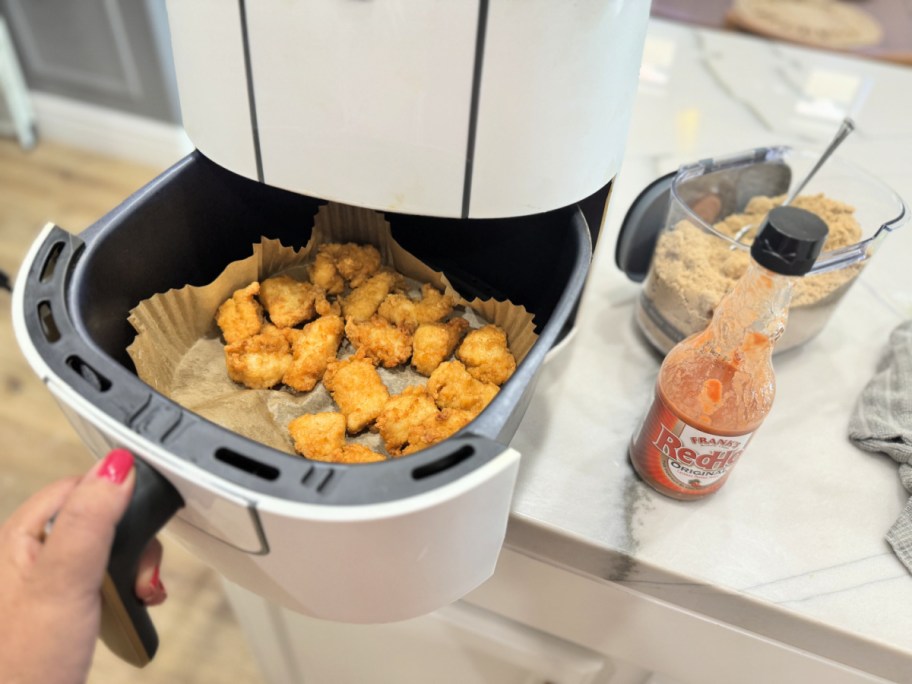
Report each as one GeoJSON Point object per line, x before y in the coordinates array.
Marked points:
{"type": "Point", "coordinates": [126, 627]}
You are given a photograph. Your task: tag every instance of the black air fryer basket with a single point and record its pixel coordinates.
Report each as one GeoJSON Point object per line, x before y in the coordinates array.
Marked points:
{"type": "Point", "coordinates": [188, 224]}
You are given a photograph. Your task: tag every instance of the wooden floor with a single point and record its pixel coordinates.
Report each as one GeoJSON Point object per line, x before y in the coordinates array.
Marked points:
{"type": "Point", "coordinates": [201, 642]}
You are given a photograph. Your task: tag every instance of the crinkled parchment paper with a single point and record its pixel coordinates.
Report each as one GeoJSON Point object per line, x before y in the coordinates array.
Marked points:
{"type": "Point", "coordinates": [179, 352]}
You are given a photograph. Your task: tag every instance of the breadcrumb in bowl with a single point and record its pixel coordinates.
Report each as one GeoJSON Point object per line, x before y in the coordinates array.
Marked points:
{"type": "Point", "coordinates": [697, 259]}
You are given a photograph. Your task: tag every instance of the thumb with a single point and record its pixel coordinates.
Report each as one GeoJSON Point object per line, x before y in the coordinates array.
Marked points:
{"type": "Point", "coordinates": [76, 552]}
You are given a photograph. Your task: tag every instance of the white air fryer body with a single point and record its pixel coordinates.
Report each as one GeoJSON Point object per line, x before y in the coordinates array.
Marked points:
{"type": "Point", "coordinates": [458, 108]}
{"type": "Point", "coordinates": [462, 109]}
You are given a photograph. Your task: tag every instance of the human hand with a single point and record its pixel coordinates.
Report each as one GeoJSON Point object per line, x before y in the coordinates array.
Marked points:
{"type": "Point", "coordinates": [50, 599]}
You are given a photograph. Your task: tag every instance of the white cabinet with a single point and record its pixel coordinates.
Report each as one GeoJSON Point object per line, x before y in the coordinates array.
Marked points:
{"type": "Point", "coordinates": [460, 644]}
{"type": "Point", "coordinates": [531, 623]}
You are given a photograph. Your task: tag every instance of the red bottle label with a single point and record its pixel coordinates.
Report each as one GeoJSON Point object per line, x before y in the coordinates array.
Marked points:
{"type": "Point", "coordinates": [686, 461]}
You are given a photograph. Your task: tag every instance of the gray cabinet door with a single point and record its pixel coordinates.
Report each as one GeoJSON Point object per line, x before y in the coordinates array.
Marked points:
{"type": "Point", "coordinates": [113, 53]}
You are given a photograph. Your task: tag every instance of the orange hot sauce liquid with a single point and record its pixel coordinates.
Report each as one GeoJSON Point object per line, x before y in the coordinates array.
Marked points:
{"type": "Point", "coordinates": [711, 395]}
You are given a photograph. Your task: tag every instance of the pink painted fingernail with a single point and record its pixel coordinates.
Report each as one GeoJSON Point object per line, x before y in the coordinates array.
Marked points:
{"type": "Point", "coordinates": [156, 582]}
{"type": "Point", "coordinates": [116, 466]}
{"type": "Point", "coordinates": [158, 587]}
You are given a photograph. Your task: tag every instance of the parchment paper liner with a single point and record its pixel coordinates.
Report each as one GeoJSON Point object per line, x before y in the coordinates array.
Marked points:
{"type": "Point", "coordinates": [178, 350]}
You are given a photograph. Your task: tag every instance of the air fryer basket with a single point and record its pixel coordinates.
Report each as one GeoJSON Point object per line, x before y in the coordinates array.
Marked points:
{"type": "Point", "coordinates": [195, 218]}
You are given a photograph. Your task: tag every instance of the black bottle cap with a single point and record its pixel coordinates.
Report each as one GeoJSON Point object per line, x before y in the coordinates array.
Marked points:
{"type": "Point", "coordinates": [789, 241]}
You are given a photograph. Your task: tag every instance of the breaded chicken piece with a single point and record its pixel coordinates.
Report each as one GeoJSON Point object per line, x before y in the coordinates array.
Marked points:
{"type": "Point", "coordinates": [401, 414]}
{"type": "Point", "coordinates": [321, 437]}
{"type": "Point", "coordinates": [270, 329]}
{"type": "Point", "coordinates": [436, 429]}
{"type": "Point", "coordinates": [318, 435]}
{"type": "Point", "coordinates": [452, 387]}
{"type": "Point", "coordinates": [241, 316]}
{"type": "Point", "coordinates": [258, 362]}
{"type": "Point", "coordinates": [355, 263]}
{"type": "Point", "coordinates": [408, 313]}
{"type": "Point", "coordinates": [335, 264]}
{"type": "Point", "coordinates": [486, 355]}
{"type": "Point", "coordinates": [289, 301]}
{"type": "Point", "coordinates": [323, 273]}
{"type": "Point", "coordinates": [357, 453]}
{"type": "Point", "coordinates": [433, 343]}
{"type": "Point", "coordinates": [362, 302]}
{"type": "Point", "coordinates": [313, 347]}
{"type": "Point", "coordinates": [380, 340]}
{"type": "Point", "coordinates": [326, 308]}
{"type": "Point", "coordinates": [358, 390]}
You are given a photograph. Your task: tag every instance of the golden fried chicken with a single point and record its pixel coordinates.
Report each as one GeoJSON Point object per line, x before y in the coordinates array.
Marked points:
{"type": "Point", "coordinates": [362, 302]}
{"type": "Point", "coordinates": [436, 428]}
{"type": "Point", "coordinates": [401, 414]}
{"type": "Point", "coordinates": [335, 264]}
{"type": "Point", "coordinates": [358, 390]}
{"type": "Point", "coordinates": [355, 263]}
{"type": "Point", "coordinates": [321, 437]}
{"type": "Point", "coordinates": [433, 343]}
{"type": "Point", "coordinates": [486, 355]}
{"type": "Point", "coordinates": [240, 316]}
{"type": "Point", "coordinates": [326, 308]}
{"type": "Point", "coordinates": [259, 361]}
{"type": "Point", "coordinates": [405, 312]}
{"type": "Point", "coordinates": [318, 435]}
{"type": "Point", "coordinates": [380, 340]}
{"type": "Point", "coordinates": [313, 347]}
{"type": "Point", "coordinates": [357, 453]}
{"type": "Point", "coordinates": [452, 387]}
{"type": "Point", "coordinates": [323, 273]}
{"type": "Point", "coordinates": [289, 301]}
{"type": "Point", "coordinates": [270, 329]}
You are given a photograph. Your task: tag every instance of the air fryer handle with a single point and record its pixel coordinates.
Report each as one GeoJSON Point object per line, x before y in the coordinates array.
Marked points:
{"type": "Point", "coordinates": [126, 627]}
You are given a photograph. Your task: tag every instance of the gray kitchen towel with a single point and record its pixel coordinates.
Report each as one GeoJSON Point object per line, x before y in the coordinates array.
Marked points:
{"type": "Point", "coordinates": [882, 422]}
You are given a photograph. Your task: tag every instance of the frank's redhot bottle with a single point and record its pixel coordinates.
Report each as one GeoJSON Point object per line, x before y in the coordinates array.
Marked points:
{"type": "Point", "coordinates": [715, 388]}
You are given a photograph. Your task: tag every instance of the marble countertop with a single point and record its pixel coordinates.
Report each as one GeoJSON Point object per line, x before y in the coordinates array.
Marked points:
{"type": "Point", "coordinates": [792, 548]}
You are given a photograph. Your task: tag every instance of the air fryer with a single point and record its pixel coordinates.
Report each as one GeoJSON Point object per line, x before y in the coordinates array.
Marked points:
{"type": "Point", "coordinates": [361, 543]}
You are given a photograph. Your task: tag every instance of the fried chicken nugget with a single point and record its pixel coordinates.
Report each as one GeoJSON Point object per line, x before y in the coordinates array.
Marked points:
{"type": "Point", "coordinates": [321, 437]}
{"type": "Point", "coordinates": [241, 316]}
{"type": "Point", "coordinates": [259, 361]}
{"type": "Point", "coordinates": [362, 302]}
{"type": "Point", "coordinates": [408, 313]}
{"type": "Point", "coordinates": [323, 273]}
{"type": "Point", "coordinates": [437, 428]}
{"type": "Point", "coordinates": [401, 414]}
{"type": "Point", "coordinates": [318, 435]}
{"type": "Point", "coordinates": [355, 263]}
{"type": "Point", "coordinates": [357, 453]}
{"type": "Point", "coordinates": [433, 343]}
{"type": "Point", "coordinates": [358, 390]}
{"type": "Point", "coordinates": [452, 387]}
{"type": "Point", "coordinates": [335, 264]}
{"type": "Point", "coordinates": [313, 347]}
{"type": "Point", "coordinates": [380, 340]}
{"type": "Point", "coordinates": [486, 355]}
{"type": "Point", "coordinates": [326, 308]}
{"type": "Point", "coordinates": [289, 301]}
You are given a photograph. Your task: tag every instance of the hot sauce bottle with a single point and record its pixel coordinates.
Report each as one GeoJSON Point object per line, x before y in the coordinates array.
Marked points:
{"type": "Point", "coordinates": [715, 388]}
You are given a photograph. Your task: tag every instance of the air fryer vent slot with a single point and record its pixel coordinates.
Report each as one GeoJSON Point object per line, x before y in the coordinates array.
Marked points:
{"type": "Point", "coordinates": [324, 483]}
{"type": "Point", "coordinates": [48, 324]}
{"type": "Point", "coordinates": [444, 463]}
{"type": "Point", "coordinates": [50, 263]}
{"type": "Point", "coordinates": [318, 478]}
{"type": "Point", "coordinates": [248, 465]}
{"type": "Point", "coordinates": [96, 380]}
